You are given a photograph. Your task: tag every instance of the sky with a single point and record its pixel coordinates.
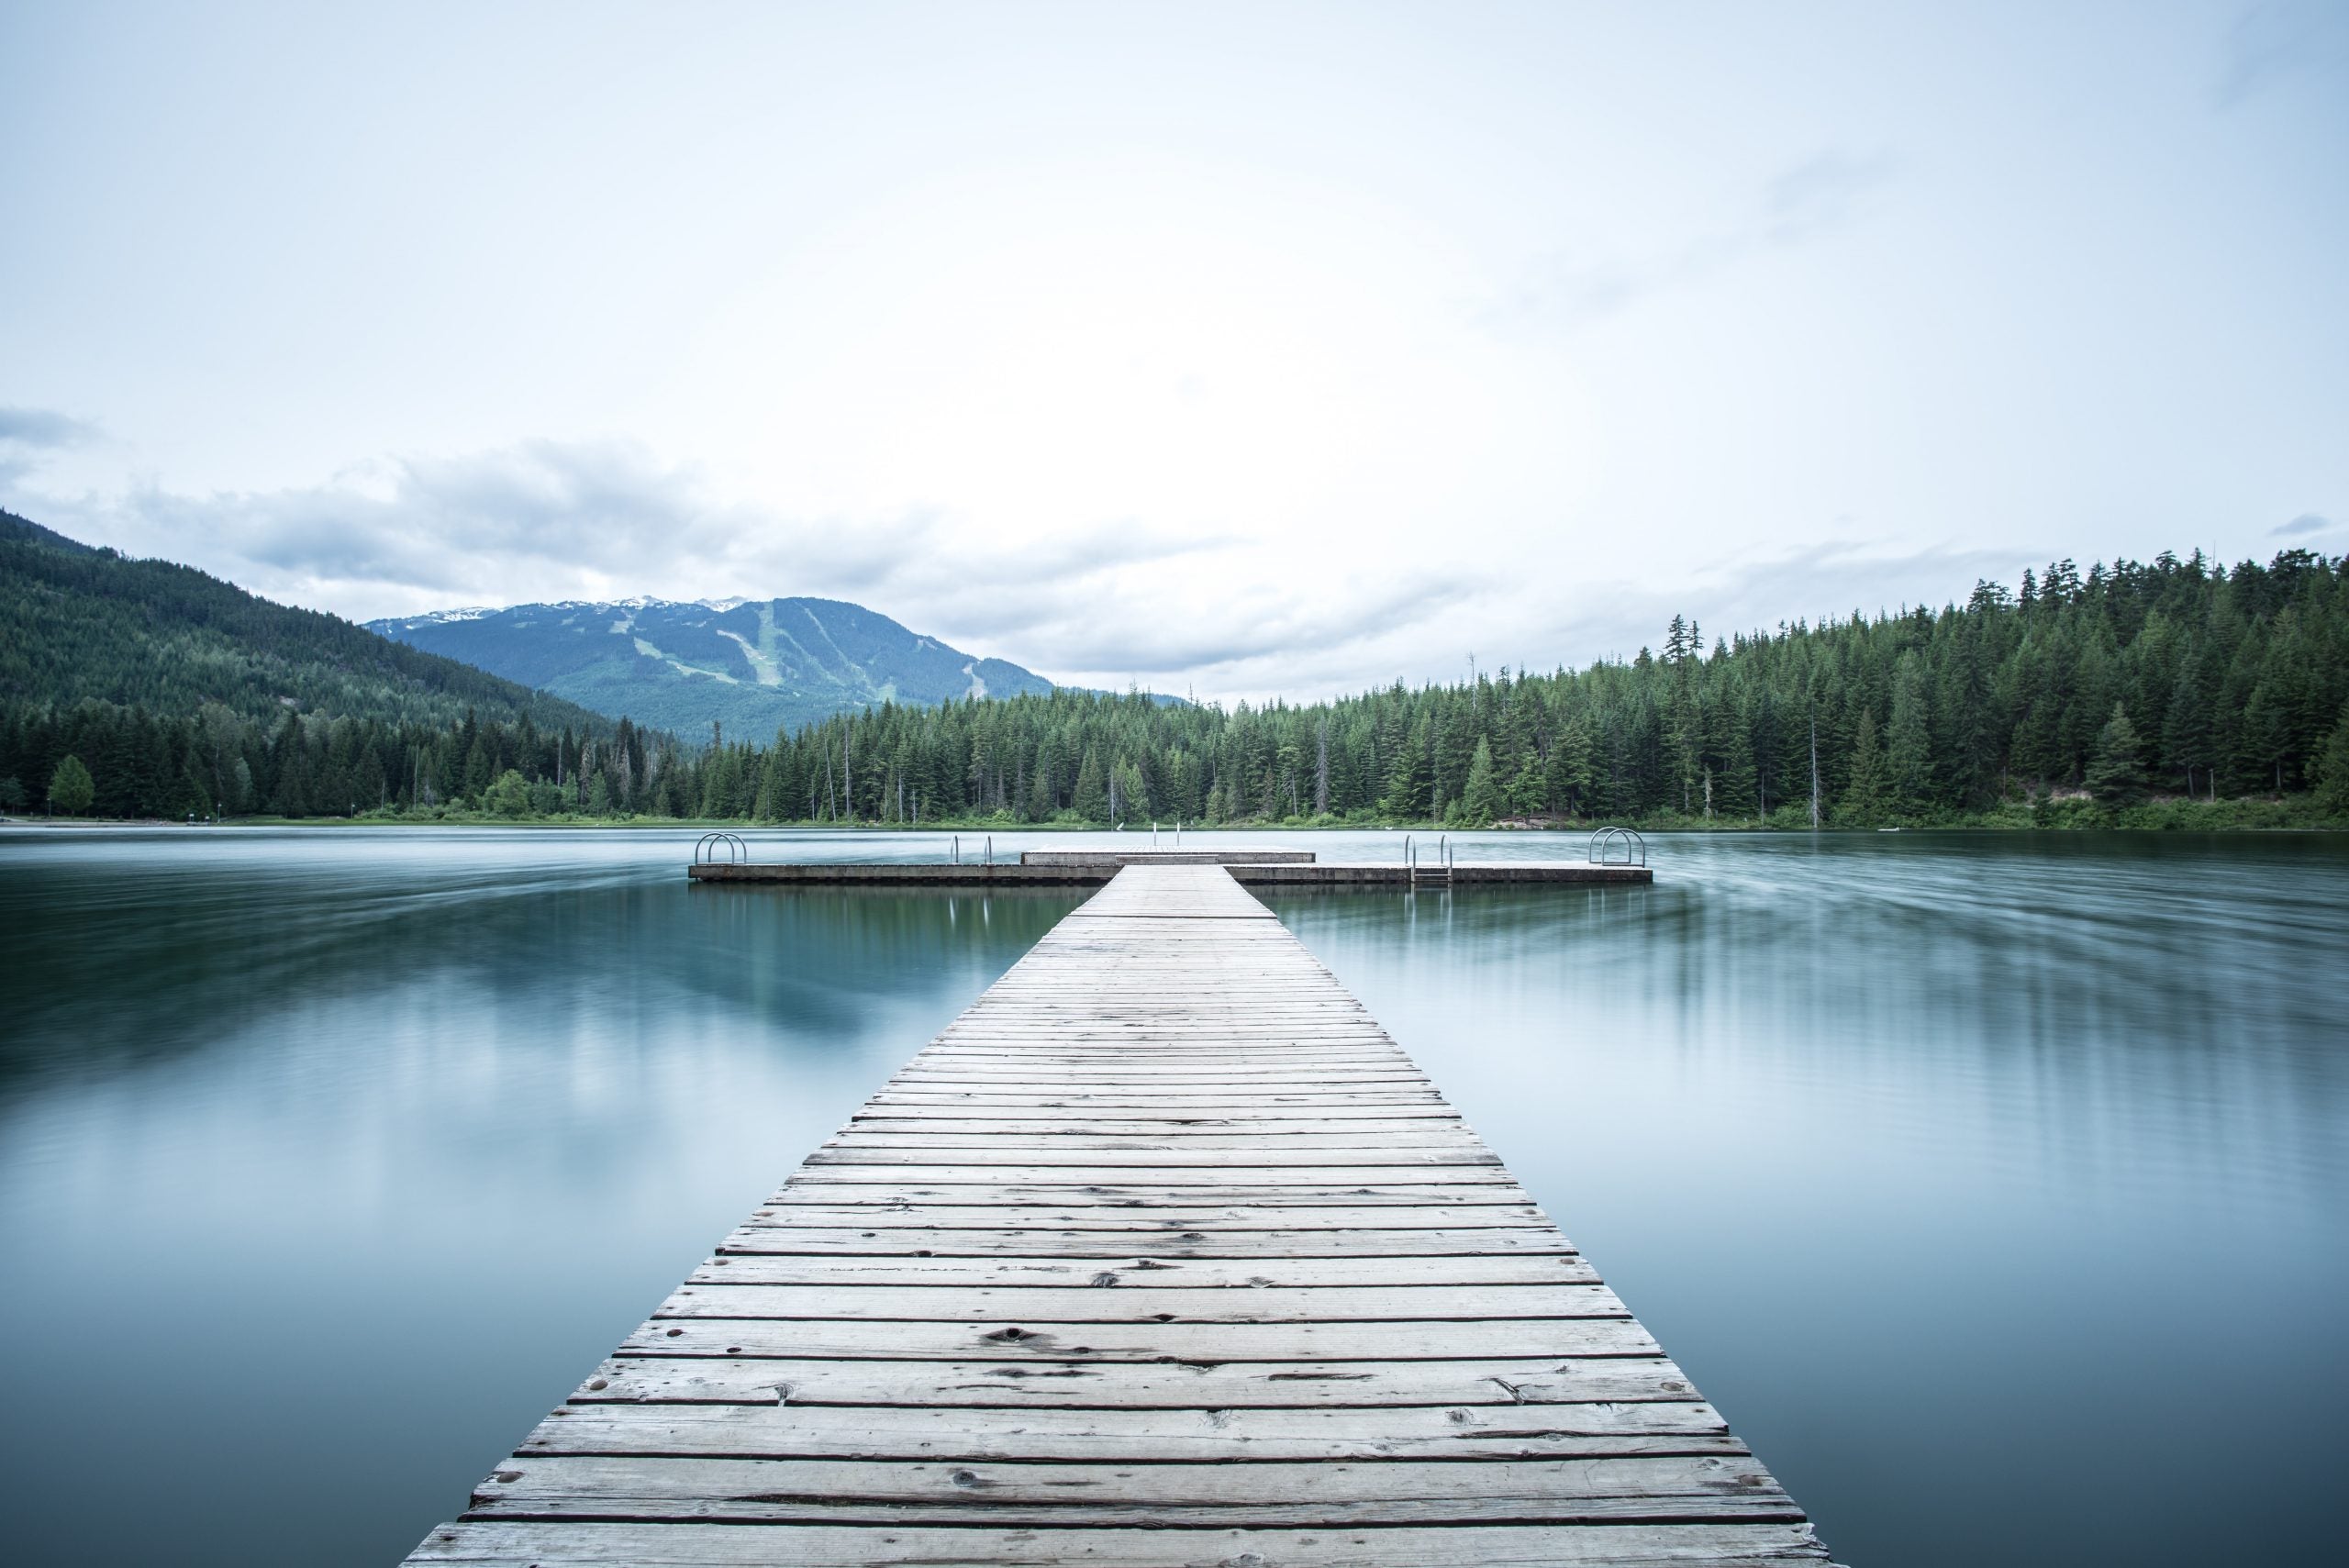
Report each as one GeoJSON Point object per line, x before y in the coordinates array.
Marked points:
{"type": "Point", "coordinates": [1256, 351]}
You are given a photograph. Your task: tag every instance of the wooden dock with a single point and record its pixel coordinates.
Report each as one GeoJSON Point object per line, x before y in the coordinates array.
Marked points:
{"type": "Point", "coordinates": [1293, 872]}
{"type": "Point", "coordinates": [1163, 1254]}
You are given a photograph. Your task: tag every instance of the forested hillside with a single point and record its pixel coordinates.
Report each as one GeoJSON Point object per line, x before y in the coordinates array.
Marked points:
{"type": "Point", "coordinates": [86, 624]}
{"type": "Point", "coordinates": [2082, 691]}
{"type": "Point", "coordinates": [137, 666]}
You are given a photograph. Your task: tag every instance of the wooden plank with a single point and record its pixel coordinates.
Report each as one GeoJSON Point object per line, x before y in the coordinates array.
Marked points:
{"type": "Point", "coordinates": [1451, 1433]}
{"type": "Point", "coordinates": [1164, 1127]}
{"type": "Point", "coordinates": [1141, 1196]}
{"type": "Point", "coordinates": [521, 1544]}
{"type": "Point", "coordinates": [1028, 1339]}
{"type": "Point", "coordinates": [932, 1107]}
{"type": "Point", "coordinates": [1190, 1273]}
{"type": "Point", "coordinates": [1237, 1146]}
{"type": "Point", "coordinates": [1038, 1216]}
{"type": "Point", "coordinates": [1136, 1303]}
{"type": "Point", "coordinates": [1649, 1480]}
{"type": "Point", "coordinates": [1221, 1386]}
{"type": "Point", "coordinates": [1164, 1252]}
{"type": "Point", "coordinates": [1169, 1246]}
{"type": "Point", "coordinates": [1159, 1172]}
{"type": "Point", "coordinates": [1217, 1160]}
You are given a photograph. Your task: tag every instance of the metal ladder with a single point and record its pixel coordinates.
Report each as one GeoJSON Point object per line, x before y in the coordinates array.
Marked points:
{"type": "Point", "coordinates": [1439, 871]}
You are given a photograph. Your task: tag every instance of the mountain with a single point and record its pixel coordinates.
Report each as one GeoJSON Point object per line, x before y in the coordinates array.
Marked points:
{"type": "Point", "coordinates": [755, 665]}
{"type": "Point", "coordinates": [83, 624]}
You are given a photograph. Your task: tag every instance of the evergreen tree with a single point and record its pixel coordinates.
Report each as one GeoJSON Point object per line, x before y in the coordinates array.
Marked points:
{"type": "Point", "coordinates": [1090, 797]}
{"type": "Point", "coordinates": [1480, 795]}
{"type": "Point", "coordinates": [2331, 769]}
{"type": "Point", "coordinates": [2116, 774]}
{"type": "Point", "coordinates": [1865, 795]}
{"type": "Point", "coordinates": [479, 769]}
{"type": "Point", "coordinates": [1908, 761]}
{"type": "Point", "coordinates": [1570, 767]}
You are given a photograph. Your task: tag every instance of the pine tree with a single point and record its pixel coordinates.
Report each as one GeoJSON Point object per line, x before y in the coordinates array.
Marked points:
{"type": "Point", "coordinates": [2116, 773]}
{"type": "Point", "coordinates": [1480, 797]}
{"type": "Point", "coordinates": [1408, 777]}
{"type": "Point", "coordinates": [1909, 760]}
{"type": "Point", "coordinates": [2190, 729]}
{"type": "Point", "coordinates": [1570, 769]}
{"type": "Point", "coordinates": [1090, 798]}
{"type": "Point", "coordinates": [2331, 769]}
{"type": "Point", "coordinates": [1865, 794]}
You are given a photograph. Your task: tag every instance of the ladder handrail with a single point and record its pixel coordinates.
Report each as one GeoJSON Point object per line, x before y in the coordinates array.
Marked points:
{"type": "Point", "coordinates": [705, 848]}
{"type": "Point", "coordinates": [1603, 842]}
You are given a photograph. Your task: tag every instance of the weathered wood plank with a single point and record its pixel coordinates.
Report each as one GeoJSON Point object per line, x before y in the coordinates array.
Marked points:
{"type": "Point", "coordinates": [1291, 1108]}
{"type": "Point", "coordinates": [1033, 1340]}
{"type": "Point", "coordinates": [1189, 1273]}
{"type": "Point", "coordinates": [1222, 1386]}
{"type": "Point", "coordinates": [1038, 1215]}
{"type": "Point", "coordinates": [1452, 1153]}
{"type": "Point", "coordinates": [1648, 1483]}
{"type": "Point", "coordinates": [1451, 1433]}
{"type": "Point", "coordinates": [1109, 1174]}
{"type": "Point", "coordinates": [516, 1544]}
{"type": "Point", "coordinates": [1163, 1127]}
{"type": "Point", "coordinates": [1163, 1246]}
{"type": "Point", "coordinates": [1143, 1197]}
{"type": "Point", "coordinates": [1136, 1303]}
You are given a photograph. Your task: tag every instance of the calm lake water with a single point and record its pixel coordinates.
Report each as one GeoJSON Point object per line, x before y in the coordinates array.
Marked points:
{"type": "Point", "coordinates": [1996, 1187]}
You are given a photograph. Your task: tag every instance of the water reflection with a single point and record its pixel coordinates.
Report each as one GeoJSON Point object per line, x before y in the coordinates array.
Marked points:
{"type": "Point", "coordinates": [1954, 1168]}
{"type": "Point", "coordinates": [328, 1161]}
{"type": "Point", "coordinates": [1995, 1187]}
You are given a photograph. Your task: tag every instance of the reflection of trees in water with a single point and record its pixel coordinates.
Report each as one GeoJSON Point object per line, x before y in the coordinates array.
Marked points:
{"type": "Point", "coordinates": [118, 964]}
{"type": "Point", "coordinates": [2076, 981]}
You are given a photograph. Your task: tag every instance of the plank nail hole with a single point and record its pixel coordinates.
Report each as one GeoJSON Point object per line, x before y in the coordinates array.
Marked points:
{"type": "Point", "coordinates": [599, 1383]}
{"type": "Point", "coordinates": [675, 1332]}
{"type": "Point", "coordinates": [733, 1350]}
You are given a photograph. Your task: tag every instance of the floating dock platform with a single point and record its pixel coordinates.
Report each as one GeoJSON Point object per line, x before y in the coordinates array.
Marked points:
{"type": "Point", "coordinates": [1296, 868]}
{"type": "Point", "coordinates": [1162, 1255]}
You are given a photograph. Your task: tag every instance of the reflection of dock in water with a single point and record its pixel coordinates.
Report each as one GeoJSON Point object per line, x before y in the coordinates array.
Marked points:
{"type": "Point", "coordinates": [1163, 1254]}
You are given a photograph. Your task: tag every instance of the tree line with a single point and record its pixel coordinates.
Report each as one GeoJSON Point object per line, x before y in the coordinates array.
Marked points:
{"type": "Point", "coordinates": [130, 762]}
{"type": "Point", "coordinates": [2176, 678]}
